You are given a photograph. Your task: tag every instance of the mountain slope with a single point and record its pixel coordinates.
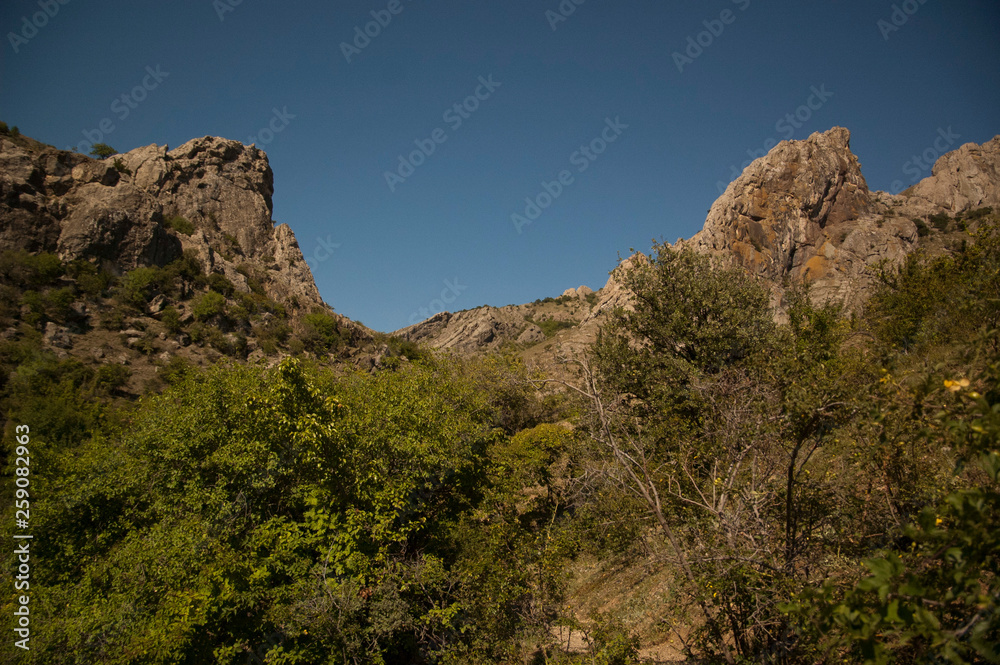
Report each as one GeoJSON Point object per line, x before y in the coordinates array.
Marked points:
{"type": "Point", "coordinates": [803, 212]}
{"type": "Point", "coordinates": [155, 254]}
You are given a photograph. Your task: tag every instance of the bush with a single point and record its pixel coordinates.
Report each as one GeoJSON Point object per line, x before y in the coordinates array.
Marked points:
{"type": "Point", "coordinates": [176, 370]}
{"type": "Point", "coordinates": [90, 280]}
{"type": "Point", "coordinates": [551, 326]}
{"type": "Point", "coordinates": [209, 306]}
{"type": "Point", "coordinates": [272, 334]}
{"type": "Point", "coordinates": [30, 271]}
{"type": "Point", "coordinates": [137, 286]}
{"type": "Point", "coordinates": [111, 378]}
{"type": "Point", "coordinates": [112, 318]}
{"type": "Point", "coordinates": [979, 213]}
{"type": "Point", "coordinates": [171, 319]}
{"type": "Point", "coordinates": [407, 349]}
{"type": "Point", "coordinates": [922, 229]}
{"type": "Point", "coordinates": [220, 283]}
{"type": "Point", "coordinates": [179, 224]}
{"type": "Point", "coordinates": [321, 333]}
{"type": "Point", "coordinates": [121, 168]}
{"type": "Point", "coordinates": [940, 221]}
{"type": "Point", "coordinates": [102, 151]}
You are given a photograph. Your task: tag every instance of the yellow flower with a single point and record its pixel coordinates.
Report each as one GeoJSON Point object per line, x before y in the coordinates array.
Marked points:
{"type": "Point", "coordinates": [955, 386]}
{"type": "Point", "coordinates": [938, 522]}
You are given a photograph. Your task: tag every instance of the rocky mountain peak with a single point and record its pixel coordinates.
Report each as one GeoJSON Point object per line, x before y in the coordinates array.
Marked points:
{"type": "Point", "coordinates": [963, 179]}
{"type": "Point", "coordinates": [803, 213]}
{"type": "Point", "coordinates": [148, 206]}
{"type": "Point", "coordinates": [790, 212]}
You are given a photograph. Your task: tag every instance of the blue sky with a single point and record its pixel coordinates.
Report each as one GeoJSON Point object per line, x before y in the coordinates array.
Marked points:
{"type": "Point", "coordinates": [669, 129]}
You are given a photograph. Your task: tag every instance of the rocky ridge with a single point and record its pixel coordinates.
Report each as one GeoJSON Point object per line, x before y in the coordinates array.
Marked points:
{"type": "Point", "coordinates": [204, 209]}
{"type": "Point", "coordinates": [118, 210]}
{"type": "Point", "coordinates": [801, 213]}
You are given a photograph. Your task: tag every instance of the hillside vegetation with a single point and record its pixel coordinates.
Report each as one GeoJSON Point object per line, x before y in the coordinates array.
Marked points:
{"type": "Point", "coordinates": [823, 490]}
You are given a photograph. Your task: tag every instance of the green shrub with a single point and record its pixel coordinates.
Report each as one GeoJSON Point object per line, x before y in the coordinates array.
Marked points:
{"type": "Point", "coordinates": [611, 643]}
{"type": "Point", "coordinates": [137, 286]}
{"type": "Point", "coordinates": [321, 333]}
{"type": "Point", "coordinates": [405, 348]}
{"type": "Point", "coordinates": [35, 304]}
{"type": "Point", "coordinates": [121, 168]}
{"type": "Point", "coordinates": [271, 334]}
{"type": "Point", "coordinates": [210, 305]}
{"type": "Point", "coordinates": [110, 378]}
{"type": "Point", "coordinates": [112, 318]}
{"type": "Point", "coordinates": [90, 280]}
{"type": "Point", "coordinates": [179, 224]}
{"type": "Point", "coordinates": [176, 370]}
{"type": "Point", "coordinates": [15, 132]}
{"type": "Point", "coordinates": [551, 326]}
{"type": "Point", "coordinates": [57, 303]}
{"type": "Point", "coordinates": [220, 283]}
{"type": "Point", "coordinates": [979, 213]}
{"type": "Point", "coordinates": [171, 319]}
{"type": "Point", "coordinates": [940, 221]}
{"type": "Point", "coordinates": [922, 228]}
{"type": "Point", "coordinates": [102, 151]}
{"type": "Point", "coordinates": [28, 270]}
{"type": "Point", "coordinates": [234, 345]}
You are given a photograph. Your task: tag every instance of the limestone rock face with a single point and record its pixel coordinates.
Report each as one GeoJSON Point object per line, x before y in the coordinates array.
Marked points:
{"type": "Point", "coordinates": [804, 212]}
{"type": "Point", "coordinates": [479, 329]}
{"type": "Point", "coordinates": [121, 210]}
{"type": "Point", "coordinates": [964, 179]}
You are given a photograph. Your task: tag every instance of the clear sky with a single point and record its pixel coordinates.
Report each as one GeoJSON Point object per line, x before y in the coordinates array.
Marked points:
{"type": "Point", "coordinates": [674, 96]}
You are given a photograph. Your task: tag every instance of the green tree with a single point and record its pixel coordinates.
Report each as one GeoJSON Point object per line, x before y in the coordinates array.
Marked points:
{"type": "Point", "coordinates": [102, 151]}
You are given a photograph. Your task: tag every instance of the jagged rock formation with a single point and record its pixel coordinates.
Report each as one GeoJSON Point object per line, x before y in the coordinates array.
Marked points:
{"type": "Point", "coordinates": [208, 202]}
{"type": "Point", "coordinates": [475, 330]}
{"type": "Point", "coordinates": [964, 179]}
{"type": "Point", "coordinates": [804, 213]}
{"type": "Point", "coordinates": [118, 210]}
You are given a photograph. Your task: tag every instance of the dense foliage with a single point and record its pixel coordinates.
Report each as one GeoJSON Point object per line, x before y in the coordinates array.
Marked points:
{"type": "Point", "coordinates": [823, 489]}
{"type": "Point", "coordinates": [295, 516]}
{"type": "Point", "coordinates": [781, 464]}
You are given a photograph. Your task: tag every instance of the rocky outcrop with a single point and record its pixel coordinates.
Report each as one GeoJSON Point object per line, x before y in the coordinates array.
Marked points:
{"type": "Point", "coordinates": [804, 212]}
{"type": "Point", "coordinates": [961, 180]}
{"type": "Point", "coordinates": [480, 329]}
{"type": "Point", "coordinates": [801, 213]}
{"type": "Point", "coordinates": [124, 211]}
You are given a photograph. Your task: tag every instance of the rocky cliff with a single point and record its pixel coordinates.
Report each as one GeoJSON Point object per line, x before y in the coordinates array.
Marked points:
{"type": "Point", "coordinates": [121, 211]}
{"type": "Point", "coordinates": [157, 254]}
{"type": "Point", "coordinates": [803, 212]}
